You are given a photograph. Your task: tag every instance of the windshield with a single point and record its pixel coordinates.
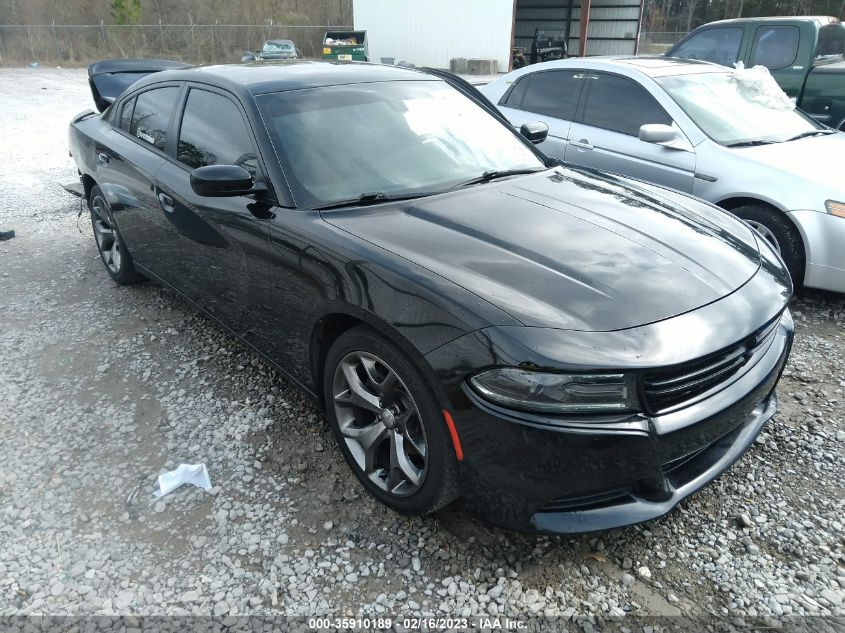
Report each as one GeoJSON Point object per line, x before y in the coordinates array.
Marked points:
{"type": "Point", "coordinates": [277, 47]}
{"type": "Point", "coordinates": [729, 115]}
{"type": "Point", "coordinates": [396, 138]}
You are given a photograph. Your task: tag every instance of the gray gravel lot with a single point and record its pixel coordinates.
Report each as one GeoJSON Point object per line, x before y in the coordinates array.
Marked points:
{"type": "Point", "coordinates": [103, 387]}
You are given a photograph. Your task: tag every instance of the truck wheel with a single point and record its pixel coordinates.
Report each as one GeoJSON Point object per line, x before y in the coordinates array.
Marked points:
{"type": "Point", "coordinates": [776, 228]}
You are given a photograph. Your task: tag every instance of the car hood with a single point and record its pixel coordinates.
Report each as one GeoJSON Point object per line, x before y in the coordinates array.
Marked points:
{"type": "Point", "coordinates": [812, 159]}
{"type": "Point", "coordinates": [568, 248]}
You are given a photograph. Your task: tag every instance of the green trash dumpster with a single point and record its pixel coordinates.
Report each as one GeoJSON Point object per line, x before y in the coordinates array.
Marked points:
{"type": "Point", "coordinates": [345, 45]}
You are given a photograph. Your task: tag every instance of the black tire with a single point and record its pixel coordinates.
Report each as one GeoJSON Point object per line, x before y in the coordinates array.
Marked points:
{"type": "Point", "coordinates": [775, 227]}
{"type": "Point", "coordinates": [113, 253]}
{"type": "Point", "coordinates": [438, 486]}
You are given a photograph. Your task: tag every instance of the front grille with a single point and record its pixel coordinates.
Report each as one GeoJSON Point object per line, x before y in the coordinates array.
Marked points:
{"type": "Point", "coordinates": [666, 388]}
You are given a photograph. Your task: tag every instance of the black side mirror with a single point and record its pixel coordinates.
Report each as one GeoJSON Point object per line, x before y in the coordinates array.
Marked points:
{"type": "Point", "coordinates": [218, 181]}
{"type": "Point", "coordinates": [536, 131]}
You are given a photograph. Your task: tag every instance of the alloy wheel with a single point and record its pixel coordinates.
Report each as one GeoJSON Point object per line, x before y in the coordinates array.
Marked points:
{"type": "Point", "coordinates": [380, 423]}
{"type": "Point", "coordinates": [104, 233]}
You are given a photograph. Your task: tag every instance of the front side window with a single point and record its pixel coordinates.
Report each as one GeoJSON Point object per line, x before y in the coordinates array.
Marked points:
{"type": "Point", "coordinates": [774, 47]}
{"type": "Point", "coordinates": [730, 113]}
{"type": "Point", "coordinates": [552, 93]}
{"type": "Point", "coordinates": [396, 137]}
{"type": "Point", "coordinates": [152, 113]}
{"type": "Point", "coordinates": [720, 46]}
{"type": "Point", "coordinates": [213, 132]}
{"type": "Point", "coordinates": [621, 105]}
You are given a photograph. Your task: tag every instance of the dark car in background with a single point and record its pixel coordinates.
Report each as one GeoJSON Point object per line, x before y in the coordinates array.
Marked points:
{"type": "Point", "coordinates": [273, 50]}
{"type": "Point", "coordinates": [566, 349]}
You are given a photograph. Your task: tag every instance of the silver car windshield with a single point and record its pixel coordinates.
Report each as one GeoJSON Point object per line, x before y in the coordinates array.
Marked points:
{"type": "Point", "coordinates": [390, 137]}
{"type": "Point", "coordinates": [729, 115]}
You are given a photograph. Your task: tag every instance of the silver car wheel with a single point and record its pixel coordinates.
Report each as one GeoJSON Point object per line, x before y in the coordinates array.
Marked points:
{"type": "Point", "coordinates": [380, 423]}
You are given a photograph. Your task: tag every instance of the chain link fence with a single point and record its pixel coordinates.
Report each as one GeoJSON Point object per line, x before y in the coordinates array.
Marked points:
{"type": "Point", "coordinates": [63, 45]}
{"type": "Point", "coordinates": [658, 42]}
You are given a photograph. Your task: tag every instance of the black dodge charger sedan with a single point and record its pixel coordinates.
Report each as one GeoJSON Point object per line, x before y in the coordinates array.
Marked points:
{"type": "Point", "coordinates": [565, 349]}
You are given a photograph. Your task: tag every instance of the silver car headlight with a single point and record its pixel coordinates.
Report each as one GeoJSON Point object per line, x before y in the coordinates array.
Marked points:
{"type": "Point", "coordinates": [835, 208]}
{"type": "Point", "coordinates": [557, 393]}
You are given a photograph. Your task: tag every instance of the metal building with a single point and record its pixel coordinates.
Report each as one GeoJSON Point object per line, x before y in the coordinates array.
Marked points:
{"type": "Point", "coordinates": [431, 32]}
{"type": "Point", "coordinates": [613, 26]}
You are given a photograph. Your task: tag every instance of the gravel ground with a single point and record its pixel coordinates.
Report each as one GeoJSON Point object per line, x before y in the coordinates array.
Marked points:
{"type": "Point", "coordinates": [104, 387]}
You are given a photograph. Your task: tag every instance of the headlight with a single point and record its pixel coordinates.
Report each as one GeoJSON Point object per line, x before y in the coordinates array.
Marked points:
{"type": "Point", "coordinates": [835, 208]}
{"type": "Point", "coordinates": [557, 393]}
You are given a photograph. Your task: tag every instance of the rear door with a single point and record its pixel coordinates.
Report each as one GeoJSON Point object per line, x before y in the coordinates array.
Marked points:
{"type": "Point", "coordinates": [549, 96]}
{"type": "Point", "coordinates": [129, 154]}
{"type": "Point", "coordinates": [605, 134]}
{"type": "Point", "coordinates": [209, 245]}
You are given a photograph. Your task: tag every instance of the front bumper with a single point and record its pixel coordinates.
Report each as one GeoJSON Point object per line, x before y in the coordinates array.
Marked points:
{"type": "Point", "coordinates": [571, 476]}
{"type": "Point", "coordinates": [824, 241]}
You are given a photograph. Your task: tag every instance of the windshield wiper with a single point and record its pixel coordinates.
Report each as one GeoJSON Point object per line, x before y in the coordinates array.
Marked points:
{"type": "Point", "coordinates": [487, 176]}
{"type": "Point", "coordinates": [376, 197]}
{"type": "Point", "coordinates": [810, 133]}
{"type": "Point", "coordinates": [750, 143]}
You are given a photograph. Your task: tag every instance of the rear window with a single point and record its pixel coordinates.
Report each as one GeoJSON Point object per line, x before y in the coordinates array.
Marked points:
{"type": "Point", "coordinates": [552, 93]}
{"type": "Point", "coordinates": [831, 41]}
{"type": "Point", "coordinates": [152, 114]}
{"type": "Point", "coordinates": [774, 46]}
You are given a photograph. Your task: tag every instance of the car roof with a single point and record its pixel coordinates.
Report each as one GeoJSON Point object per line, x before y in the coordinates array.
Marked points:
{"type": "Point", "coordinates": [820, 19]}
{"type": "Point", "coordinates": [651, 66]}
{"type": "Point", "coordinates": [265, 77]}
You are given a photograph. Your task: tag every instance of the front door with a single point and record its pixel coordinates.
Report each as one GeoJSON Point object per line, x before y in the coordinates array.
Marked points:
{"type": "Point", "coordinates": [606, 134]}
{"type": "Point", "coordinates": [210, 244]}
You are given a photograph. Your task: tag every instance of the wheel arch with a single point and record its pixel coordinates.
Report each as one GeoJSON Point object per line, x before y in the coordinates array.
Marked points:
{"type": "Point", "coordinates": [729, 204]}
{"type": "Point", "coordinates": [88, 183]}
{"type": "Point", "coordinates": [333, 324]}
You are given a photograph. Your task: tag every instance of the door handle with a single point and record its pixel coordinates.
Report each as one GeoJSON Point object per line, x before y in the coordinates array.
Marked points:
{"type": "Point", "coordinates": [582, 144]}
{"type": "Point", "coordinates": [167, 203]}
{"type": "Point", "coordinates": [103, 158]}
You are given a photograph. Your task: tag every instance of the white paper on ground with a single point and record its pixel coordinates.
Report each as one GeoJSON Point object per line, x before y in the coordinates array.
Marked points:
{"type": "Point", "coordinates": [194, 474]}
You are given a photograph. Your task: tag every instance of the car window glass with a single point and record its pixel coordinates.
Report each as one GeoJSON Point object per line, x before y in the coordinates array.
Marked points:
{"type": "Point", "coordinates": [213, 132]}
{"type": "Point", "coordinates": [551, 93]}
{"type": "Point", "coordinates": [831, 40]}
{"type": "Point", "coordinates": [152, 113]}
{"type": "Point", "coordinates": [618, 104]}
{"type": "Point", "coordinates": [720, 46]}
{"type": "Point", "coordinates": [339, 142]}
{"type": "Point", "coordinates": [513, 99]}
{"type": "Point", "coordinates": [126, 114]}
{"type": "Point", "coordinates": [774, 46]}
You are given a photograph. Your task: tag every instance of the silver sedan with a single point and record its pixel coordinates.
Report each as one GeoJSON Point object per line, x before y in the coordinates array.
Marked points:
{"type": "Point", "coordinates": [692, 127]}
